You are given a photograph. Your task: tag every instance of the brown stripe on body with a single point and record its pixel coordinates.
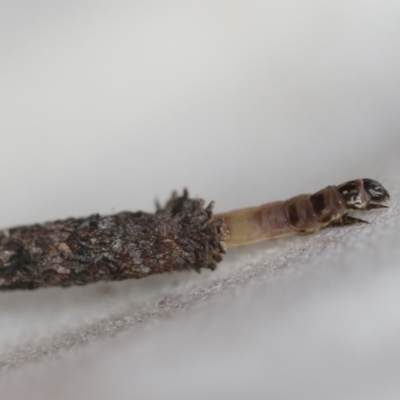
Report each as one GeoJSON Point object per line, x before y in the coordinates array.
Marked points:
{"type": "Point", "coordinates": [273, 220]}
{"type": "Point", "coordinates": [300, 214]}
{"type": "Point", "coordinates": [328, 205]}
{"type": "Point", "coordinates": [318, 203]}
{"type": "Point", "coordinates": [293, 214]}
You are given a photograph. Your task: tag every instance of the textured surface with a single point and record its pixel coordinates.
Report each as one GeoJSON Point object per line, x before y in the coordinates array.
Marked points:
{"type": "Point", "coordinates": [104, 106]}
{"type": "Point", "coordinates": [77, 251]}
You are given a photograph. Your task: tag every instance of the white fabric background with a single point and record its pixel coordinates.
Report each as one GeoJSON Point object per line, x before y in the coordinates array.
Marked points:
{"type": "Point", "coordinates": [104, 106]}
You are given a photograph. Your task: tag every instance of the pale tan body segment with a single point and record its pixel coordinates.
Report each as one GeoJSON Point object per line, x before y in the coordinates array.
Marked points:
{"type": "Point", "coordinates": [304, 213]}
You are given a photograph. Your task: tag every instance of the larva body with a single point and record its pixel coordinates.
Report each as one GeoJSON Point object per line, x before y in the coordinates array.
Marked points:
{"type": "Point", "coordinates": [304, 213]}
